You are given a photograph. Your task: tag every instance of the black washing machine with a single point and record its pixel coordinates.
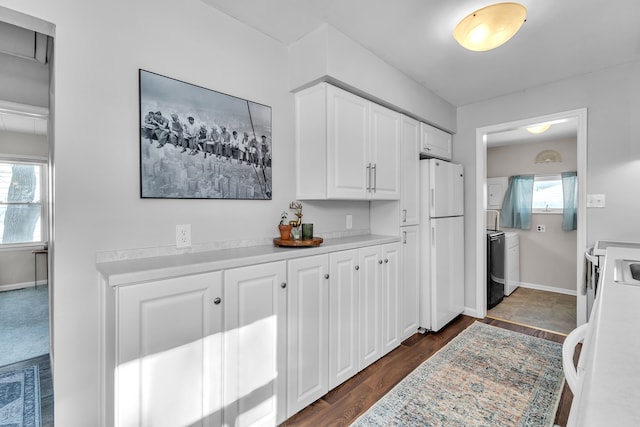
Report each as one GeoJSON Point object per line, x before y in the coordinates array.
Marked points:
{"type": "Point", "coordinates": [495, 267]}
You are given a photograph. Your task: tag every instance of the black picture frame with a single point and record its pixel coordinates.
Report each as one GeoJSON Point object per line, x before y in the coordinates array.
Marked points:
{"type": "Point", "coordinates": [197, 143]}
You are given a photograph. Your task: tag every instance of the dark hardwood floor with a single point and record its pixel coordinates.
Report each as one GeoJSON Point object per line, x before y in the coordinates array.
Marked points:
{"type": "Point", "coordinates": [46, 385]}
{"type": "Point", "coordinates": [342, 405]}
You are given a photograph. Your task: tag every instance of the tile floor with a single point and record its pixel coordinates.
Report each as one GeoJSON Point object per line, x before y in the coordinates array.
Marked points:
{"type": "Point", "coordinates": [540, 309]}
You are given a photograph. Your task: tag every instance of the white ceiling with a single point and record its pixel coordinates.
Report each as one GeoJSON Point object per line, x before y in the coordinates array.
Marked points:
{"type": "Point", "coordinates": [561, 129]}
{"type": "Point", "coordinates": [560, 38]}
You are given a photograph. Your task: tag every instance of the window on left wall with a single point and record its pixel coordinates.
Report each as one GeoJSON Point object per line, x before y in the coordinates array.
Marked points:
{"type": "Point", "coordinates": [23, 219]}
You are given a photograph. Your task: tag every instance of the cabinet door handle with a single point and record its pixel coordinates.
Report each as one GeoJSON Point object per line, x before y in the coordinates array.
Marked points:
{"type": "Point", "coordinates": [326, 276]}
{"type": "Point", "coordinates": [404, 237]}
{"type": "Point", "coordinates": [217, 301]}
{"type": "Point", "coordinates": [375, 177]}
{"type": "Point", "coordinates": [404, 215]}
{"type": "Point", "coordinates": [357, 267]}
{"type": "Point", "coordinates": [386, 260]}
{"type": "Point", "coordinates": [283, 285]}
{"type": "Point", "coordinates": [379, 261]}
{"type": "Point", "coordinates": [369, 178]}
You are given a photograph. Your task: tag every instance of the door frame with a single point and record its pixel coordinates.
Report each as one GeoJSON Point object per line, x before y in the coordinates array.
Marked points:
{"type": "Point", "coordinates": [480, 203]}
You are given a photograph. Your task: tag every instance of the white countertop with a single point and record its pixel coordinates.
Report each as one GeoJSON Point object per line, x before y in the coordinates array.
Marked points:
{"type": "Point", "coordinates": [117, 273]}
{"type": "Point", "coordinates": [610, 392]}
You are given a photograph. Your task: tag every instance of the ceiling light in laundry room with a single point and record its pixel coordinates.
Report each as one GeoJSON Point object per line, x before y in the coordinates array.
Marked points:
{"type": "Point", "coordinates": [541, 128]}
{"type": "Point", "coordinates": [490, 27]}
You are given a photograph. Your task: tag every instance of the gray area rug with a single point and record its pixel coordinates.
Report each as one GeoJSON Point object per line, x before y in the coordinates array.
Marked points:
{"type": "Point", "coordinates": [20, 398]}
{"type": "Point", "coordinates": [486, 376]}
{"type": "Point", "coordinates": [24, 324]}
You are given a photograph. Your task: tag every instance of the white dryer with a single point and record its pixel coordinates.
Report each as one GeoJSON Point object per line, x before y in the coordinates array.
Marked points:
{"type": "Point", "coordinates": [511, 262]}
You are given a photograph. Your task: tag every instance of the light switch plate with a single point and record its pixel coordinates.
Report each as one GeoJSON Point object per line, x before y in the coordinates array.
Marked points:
{"type": "Point", "coordinates": [595, 201]}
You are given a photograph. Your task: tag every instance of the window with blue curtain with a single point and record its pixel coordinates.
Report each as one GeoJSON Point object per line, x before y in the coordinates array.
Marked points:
{"type": "Point", "coordinates": [570, 201]}
{"type": "Point", "coordinates": [516, 205]}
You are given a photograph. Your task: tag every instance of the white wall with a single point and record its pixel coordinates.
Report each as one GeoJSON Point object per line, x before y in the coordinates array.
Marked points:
{"type": "Point", "coordinates": [326, 54]}
{"type": "Point", "coordinates": [612, 98]}
{"type": "Point", "coordinates": [99, 47]}
{"type": "Point", "coordinates": [547, 260]}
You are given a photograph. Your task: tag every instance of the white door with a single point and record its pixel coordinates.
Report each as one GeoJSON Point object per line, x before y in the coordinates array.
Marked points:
{"type": "Point", "coordinates": [255, 345]}
{"type": "Point", "coordinates": [347, 145]}
{"type": "Point", "coordinates": [390, 302]}
{"type": "Point", "coordinates": [447, 270]}
{"type": "Point", "coordinates": [446, 186]}
{"type": "Point", "coordinates": [307, 332]}
{"type": "Point", "coordinates": [385, 153]}
{"type": "Point", "coordinates": [170, 352]}
{"type": "Point", "coordinates": [370, 262]}
{"type": "Point", "coordinates": [343, 316]}
{"type": "Point", "coordinates": [410, 172]}
{"type": "Point", "coordinates": [410, 280]}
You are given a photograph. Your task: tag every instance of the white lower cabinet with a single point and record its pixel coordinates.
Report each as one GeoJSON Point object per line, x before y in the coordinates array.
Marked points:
{"type": "Point", "coordinates": [248, 346]}
{"type": "Point", "coordinates": [379, 298]}
{"type": "Point", "coordinates": [370, 311]}
{"type": "Point", "coordinates": [344, 301]}
{"type": "Point", "coordinates": [169, 352]}
{"type": "Point", "coordinates": [308, 331]}
{"type": "Point", "coordinates": [410, 289]}
{"type": "Point", "coordinates": [184, 343]}
{"type": "Point", "coordinates": [390, 302]}
{"type": "Point", "coordinates": [255, 345]}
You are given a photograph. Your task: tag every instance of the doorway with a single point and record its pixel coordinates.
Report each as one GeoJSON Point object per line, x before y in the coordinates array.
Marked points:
{"type": "Point", "coordinates": [483, 135]}
{"type": "Point", "coordinates": [26, 217]}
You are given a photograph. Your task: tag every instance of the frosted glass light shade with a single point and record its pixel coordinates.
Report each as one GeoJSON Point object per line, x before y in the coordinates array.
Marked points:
{"type": "Point", "coordinates": [490, 27]}
{"type": "Point", "coordinates": [539, 128]}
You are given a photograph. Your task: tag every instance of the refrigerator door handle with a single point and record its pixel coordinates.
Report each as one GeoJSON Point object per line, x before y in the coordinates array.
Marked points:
{"type": "Point", "coordinates": [433, 237]}
{"type": "Point", "coordinates": [433, 199]}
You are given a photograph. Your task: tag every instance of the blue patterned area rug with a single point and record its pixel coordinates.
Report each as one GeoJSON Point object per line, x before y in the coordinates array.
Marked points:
{"type": "Point", "coordinates": [486, 376]}
{"type": "Point", "coordinates": [20, 398]}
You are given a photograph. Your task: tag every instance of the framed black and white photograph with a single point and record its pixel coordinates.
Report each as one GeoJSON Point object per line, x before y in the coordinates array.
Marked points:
{"type": "Point", "coordinates": [196, 143]}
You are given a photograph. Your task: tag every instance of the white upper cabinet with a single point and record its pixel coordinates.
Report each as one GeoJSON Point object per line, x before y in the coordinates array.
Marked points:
{"type": "Point", "coordinates": [435, 142]}
{"type": "Point", "coordinates": [346, 147]}
{"type": "Point", "coordinates": [410, 172]}
{"type": "Point", "coordinates": [384, 154]}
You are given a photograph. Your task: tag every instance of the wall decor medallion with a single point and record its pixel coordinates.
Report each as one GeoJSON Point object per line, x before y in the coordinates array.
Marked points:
{"type": "Point", "coordinates": [197, 143]}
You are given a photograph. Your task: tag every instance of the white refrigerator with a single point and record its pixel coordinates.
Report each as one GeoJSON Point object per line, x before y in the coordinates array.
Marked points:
{"type": "Point", "coordinates": [442, 243]}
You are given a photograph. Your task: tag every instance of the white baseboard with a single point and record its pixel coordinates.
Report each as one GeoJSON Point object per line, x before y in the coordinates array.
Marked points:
{"type": "Point", "coordinates": [471, 312]}
{"type": "Point", "coordinates": [549, 288]}
{"type": "Point", "coordinates": [14, 286]}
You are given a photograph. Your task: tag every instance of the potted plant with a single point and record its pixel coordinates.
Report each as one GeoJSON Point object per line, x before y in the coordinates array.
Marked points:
{"type": "Point", "coordinates": [285, 229]}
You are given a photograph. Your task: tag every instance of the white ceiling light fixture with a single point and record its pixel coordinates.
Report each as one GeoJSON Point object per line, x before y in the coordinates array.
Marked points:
{"type": "Point", "coordinates": [541, 128]}
{"type": "Point", "coordinates": [490, 27]}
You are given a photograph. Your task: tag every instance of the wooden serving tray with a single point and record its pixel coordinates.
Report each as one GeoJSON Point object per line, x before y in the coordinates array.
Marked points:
{"type": "Point", "coordinates": [315, 241]}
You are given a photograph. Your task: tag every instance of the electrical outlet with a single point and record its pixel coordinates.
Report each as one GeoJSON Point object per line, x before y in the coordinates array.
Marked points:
{"type": "Point", "coordinates": [349, 221]}
{"type": "Point", "coordinates": [595, 200]}
{"type": "Point", "coordinates": [541, 228]}
{"type": "Point", "coordinates": [183, 236]}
